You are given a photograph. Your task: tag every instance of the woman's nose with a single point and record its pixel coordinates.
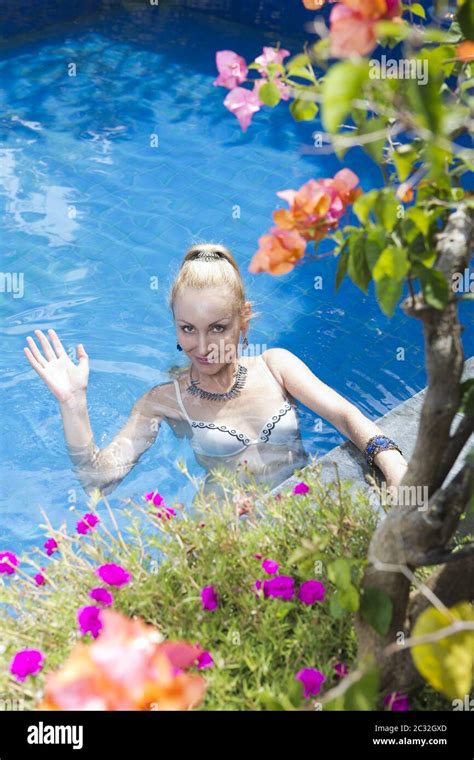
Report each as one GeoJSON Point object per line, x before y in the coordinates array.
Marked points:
{"type": "Point", "coordinates": [202, 345]}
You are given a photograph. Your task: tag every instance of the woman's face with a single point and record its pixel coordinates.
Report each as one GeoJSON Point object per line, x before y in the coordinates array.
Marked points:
{"type": "Point", "coordinates": [208, 327]}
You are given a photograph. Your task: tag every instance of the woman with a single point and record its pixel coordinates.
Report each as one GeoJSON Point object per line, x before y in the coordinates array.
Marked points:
{"type": "Point", "coordinates": [234, 408]}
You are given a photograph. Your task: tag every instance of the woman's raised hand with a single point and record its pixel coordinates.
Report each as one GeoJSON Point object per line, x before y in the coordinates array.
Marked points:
{"type": "Point", "coordinates": [66, 380]}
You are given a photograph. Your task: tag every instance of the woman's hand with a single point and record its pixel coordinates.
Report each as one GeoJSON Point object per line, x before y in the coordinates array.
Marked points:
{"type": "Point", "coordinates": [66, 380]}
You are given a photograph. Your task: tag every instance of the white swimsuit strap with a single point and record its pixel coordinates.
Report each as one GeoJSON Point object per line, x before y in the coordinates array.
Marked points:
{"type": "Point", "coordinates": [180, 400]}
{"type": "Point", "coordinates": [272, 376]}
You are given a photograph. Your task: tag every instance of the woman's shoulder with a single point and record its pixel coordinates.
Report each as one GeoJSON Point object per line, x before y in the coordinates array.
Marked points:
{"type": "Point", "coordinates": [277, 358]}
{"type": "Point", "coordinates": [160, 400]}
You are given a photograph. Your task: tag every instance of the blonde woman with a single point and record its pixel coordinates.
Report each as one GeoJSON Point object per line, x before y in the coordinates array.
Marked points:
{"type": "Point", "coordinates": [233, 408]}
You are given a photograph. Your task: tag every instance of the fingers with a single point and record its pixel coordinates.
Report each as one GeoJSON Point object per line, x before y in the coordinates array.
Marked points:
{"type": "Point", "coordinates": [36, 353]}
{"type": "Point", "coordinates": [57, 345]}
{"type": "Point", "coordinates": [45, 345]}
{"type": "Point", "coordinates": [81, 353]}
{"type": "Point", "coordinates": [34, 363]}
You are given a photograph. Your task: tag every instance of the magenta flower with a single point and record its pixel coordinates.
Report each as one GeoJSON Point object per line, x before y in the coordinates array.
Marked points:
{"type": "Point", "coordinates": [50, 545]}
{"type": "Point", "coordinates": [257, 586]}
{"type": "Point", "coordinates": [167, 512]}
{"type": "Point", "coordinates": [39, 579]}
{"type": "Point", "coordinates": [102, 595]}
{"type": "Point", "coordinates": [243, 104]}
{"type": "Point", "coordinates": [8, 562]}
{"type": "Point", "coordinates": [209, 598]}
{"type": "Point", "coordinates": [113, 574]}
{"type": "Point", "coordinates": [270, 566]}
{"type": "Point", "coordinates": [397, 702]}
{"type": "Point", "coordinates": [281, 586]}
{"type": "Point", "coordinates": [28, 662]}
{"type": "Point", "coordinates": [311, 592]}
{"type": "Point", "coordinates": [232, 69]}
{"type": "Point", "coordinates": [312, 680]}
{"type": "Point", "coordinates": [89, 620]}
{"type": "Point", "coordinates": [341, 669]}
{"type": "Point", "coordinates": [258, 556]}
{"type": "Point", "coordinates": [88, 522]}
{"type": "Point", "coordinates": [301, 488]}
{"type": "Point", "coordinates": [205, 660]}
{"type": "Point", "coordinates": [154, 497]}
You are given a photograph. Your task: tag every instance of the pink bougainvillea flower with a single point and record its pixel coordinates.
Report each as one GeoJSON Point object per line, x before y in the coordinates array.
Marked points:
{"type": "Point", "coordinates": [28, 662]}
{"type": "Point", "coordinates": [232, 69]}
{"type": "Point", "coordinates": [51, 546]}
{"type": "Point", "coordinates": [243, 104]}
{"type": "Point", "coordinates": [271, 55]}
{"type": "Point", "coordinates": [154, 497]}
{"type": "Point", "coordinates": [283, 88]}
{"type": "Point", "coordinates": [312, 680]}
{"type": "Point", "coordinates": [311, 592]}
{"type": "Point", "coordinates": [353, 25]}
{"type": "Point", "coordinates": [102, 595]}
{"type": "Point", "coordinates": [39, 578]}
{"type": "Point", "coordinates": [8, 562]}
{"type": "Point", "coordinates": [301, 488]}
{"type": "Point", "coordinates": [281, 586]}
{"type": "Point", "coordinates": [128, 667]}
{"type": "Point", "coordinates": [341, 669]}
{"type": "Point", "coordinates": [205, 660]}
{"type": "Point", "coordinates": [114, 575]}
{"type": "Point", "coordinates": [270, 566]}
{"type": "Point", "coordinates": [397, 702]}
{"type": "Point", "coordinates": [209, 598]}
{"type": "Point", "coordinates": [88, 522]}
{"type": "Point", "coordinates": [278, 251]}
{"type": "Point", "coordinates": [165, 512]}
{"type": "Point", "coordinates": [89, 621]}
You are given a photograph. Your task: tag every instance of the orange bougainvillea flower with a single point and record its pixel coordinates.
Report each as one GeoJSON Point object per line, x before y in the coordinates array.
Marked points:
{"type": "Point", "coordinates": [278, 251]}
{"type": "Point", "coordinates": [353, 25]}
{"type": "Point", "coordinates": [405, 193]}
{"type": "Point", "coordinates": [313, 5]}
{"type": "Point", "coordinates": [465, 51]}
{"type": "Point", "coordinates": [128, 667]}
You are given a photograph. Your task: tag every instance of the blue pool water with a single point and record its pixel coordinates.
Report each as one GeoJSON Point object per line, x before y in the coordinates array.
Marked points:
{"type": "Point", "coordinates": [90, 212]}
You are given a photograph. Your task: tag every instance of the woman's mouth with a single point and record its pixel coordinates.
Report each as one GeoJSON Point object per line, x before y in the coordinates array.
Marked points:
{"type": "Point", "coordinates": [202, 360]}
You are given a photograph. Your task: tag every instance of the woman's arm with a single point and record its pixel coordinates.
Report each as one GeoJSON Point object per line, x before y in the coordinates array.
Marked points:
{"type": "Point", "coordinates": [303, 384]}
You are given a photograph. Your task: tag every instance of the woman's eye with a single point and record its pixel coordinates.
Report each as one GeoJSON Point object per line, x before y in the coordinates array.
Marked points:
{"type": "Point", "coordinates": [186, 328]}
{"type": "Point", "coordinates": [219, 328]}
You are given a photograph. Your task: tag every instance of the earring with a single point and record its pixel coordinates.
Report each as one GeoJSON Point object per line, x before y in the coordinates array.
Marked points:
{"type": "Point", "coordinates": [178, 347]}
{"type": "Point", "coordinates": [245, 342]}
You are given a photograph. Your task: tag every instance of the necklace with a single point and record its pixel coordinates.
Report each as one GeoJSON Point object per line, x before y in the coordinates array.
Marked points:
{"type": "Point", "coordinates": [239, 383]}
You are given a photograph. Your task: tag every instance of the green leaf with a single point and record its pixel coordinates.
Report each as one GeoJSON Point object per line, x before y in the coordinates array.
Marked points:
{"type": "Point", "coordinates": [404, 158]}
{"type": "Point", "coordinates": [467, 397]}
{"type": "Point", "coordinates": [364, 204]}
{"type": "Point", "coordinates": [357, 267]}
{"type": "Point", "coordinates": [348, 598]}
{"type": "Point", "coordinates": [339, 572]}
{"type": "Point", "coordinates": [465, 18]}
{"type": "Point", "coordinates": [269, 94]}
{"type": "Point", "coordinates": [386, 208]}
{"type": "Point", "coordinates": [417, 10]}
{"type": "Point", "coordinates": [421, 218]}
{"type": "Point", "coordinates": [374, 148]}
{"type": "Point", "coordinates": [435, 288]}
{"type": "Point", "coordinates": [303, 110]}
{"type": "Point", "coordinates": [388, 292]}
{"type": "Point", "coordinates": [377, 610]}
{"type": "Point", "coordinates": [391, 29]}
{"type": "Point", "coordinates": [363, 694]}
{"type": "Point", "coordinates": [342, 84]}
{"type": "Point", "coordinates": [342, 266]}
{"type": "Point", "coordinates": [424, 97]}
{"type": "Point", "coordinates": [392, 262]}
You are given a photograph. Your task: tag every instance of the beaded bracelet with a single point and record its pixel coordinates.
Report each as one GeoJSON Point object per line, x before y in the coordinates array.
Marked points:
{"type": "Point", "coordinates": [376, 444]}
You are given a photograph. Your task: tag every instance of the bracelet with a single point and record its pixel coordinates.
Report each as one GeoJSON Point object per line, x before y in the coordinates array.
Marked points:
{"type": "Point", "coordinates": [376, 444]}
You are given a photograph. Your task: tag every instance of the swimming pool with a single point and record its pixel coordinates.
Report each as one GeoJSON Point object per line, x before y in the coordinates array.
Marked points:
{"type": "Point", "coordinates": [91, 212]}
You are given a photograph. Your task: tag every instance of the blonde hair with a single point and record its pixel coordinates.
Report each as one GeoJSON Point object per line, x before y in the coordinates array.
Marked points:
{"type": "Point", "coordinates": [210, 265]}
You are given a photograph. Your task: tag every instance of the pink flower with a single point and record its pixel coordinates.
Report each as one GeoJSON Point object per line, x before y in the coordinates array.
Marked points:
{"type": "Point", "coordinates": [102, 595]}
{"type": "Point", "coordinates": [353, 25]}
{"type": "Point", "coordinates": [205, 660]}
{"type": "Point", "coordinates": [28, 662]}
{"type": "Point", "coordinates": [270, 566]}
{"type": "Point", "coordinates": [243, 104]}
{"type": "Point", "coordinates": [257, 587]}
{"type": "Point", "coordinates": [311, 592]}
{"type": "Point", "coordinates": [50, 545]}
{"type": "Point", "coordinates": [232, 69]}
{"type": "Point", "coordinates": [88, 522]}
{"type": "Point", "coordinates": [397, 702]}
{"type": "Point", "coordinates": [155, 497]}
{"type": "Point", "coordinates": [113, 574]}
{"type": "Point", "coordinates": [312, 680]}
{"type": "Point", "coordinates": [341, 669]}
{"type": "Point", "coordinates": [281, 586]}
{"type": "Point", "coordinates": [8, 562]}
{"type": "Point", "coordinates": [167, 512]}
{"type": "Point", "coordinates": [39, 579]}
{"type": "Point", "coordinates": [89, 620]}
{"type": "Point", "coordinates": [209, 598]}
{"type": "Point", "coordinates": [258, 556]}
{"type": "Point", "coordinates": [301, 488]}
{"type": "Point", "coordinates": [271, 55]}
